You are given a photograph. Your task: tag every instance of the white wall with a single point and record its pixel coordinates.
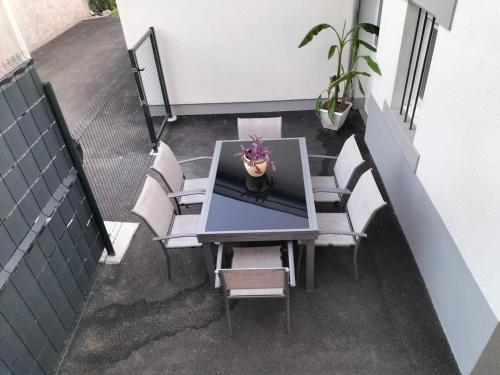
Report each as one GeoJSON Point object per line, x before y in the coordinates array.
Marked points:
{"type": "Point", "coordinates": [9, 46]}
{"type": "Point", "coordinates": [450, 208]}
{"type": "Point", "coordinates": [460, 134]}
{"type": "Point", "coordinates": [227, 51]}
{"type": "Point", "coordinates": [368, 12]}
{"type": "Point", "coordinates": [43, 20]}
{"type": "Point", "coordinates": [392, 23]}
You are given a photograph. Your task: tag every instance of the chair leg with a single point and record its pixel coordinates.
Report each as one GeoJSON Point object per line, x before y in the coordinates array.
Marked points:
{"type": "Point", "coordinates": [178, 207]}
{"type": "Point", "coordinates": [299, 263]}
{"type": "Point", "coordinates": [169, 270]}
{"type": "Point", "coordinates": [355, 261]}
{"type": "Point", "coordinates": [228, 314]}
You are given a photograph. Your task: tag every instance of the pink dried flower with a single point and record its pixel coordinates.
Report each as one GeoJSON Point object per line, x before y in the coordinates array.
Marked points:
{"type": "Point", "coordinates": [257, 152]}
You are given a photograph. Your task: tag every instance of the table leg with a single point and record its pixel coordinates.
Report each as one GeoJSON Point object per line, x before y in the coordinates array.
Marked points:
{"type": "Point", "coordinates": [310, 252]}
{"type": "Point", "coordinates": [209, 260]}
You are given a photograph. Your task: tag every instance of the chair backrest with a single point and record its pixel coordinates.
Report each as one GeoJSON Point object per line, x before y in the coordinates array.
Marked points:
{"type": "Point", "coordinates": [364, 202]}
{"type": "Point", "coordinates": [267, 128]}
{"type": "Point", "coordinates": [347, 162]}
{"type": "Point", "coordinates": [154, 207]}
{"type": "Point", "coordinates": [167, 166]}
{"type": "Point", "coordinates": [253, 278]}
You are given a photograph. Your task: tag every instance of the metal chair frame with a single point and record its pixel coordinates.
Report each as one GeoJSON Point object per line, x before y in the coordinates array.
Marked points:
{"type": "Point", "coordinates": [225, 292]}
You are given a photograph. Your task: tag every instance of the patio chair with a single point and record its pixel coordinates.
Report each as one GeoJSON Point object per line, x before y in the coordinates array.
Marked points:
{"type": "Point", "coordinates": [183, 191]}
{"type": "Point", "coordinates": [346, 229]}
{"type": "Point", "coordinates": [172, 231]}
{"type": "Point", "coordinates": [255, 272]}
{"type": "Point", "coordinates": [331, 188]}
{"type": "Point", "coordinates": [267, 128]}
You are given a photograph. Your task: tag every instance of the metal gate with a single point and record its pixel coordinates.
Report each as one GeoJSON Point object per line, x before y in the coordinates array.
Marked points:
{"type": "Point", "coordinates": [150, 81]}
{"type": "Point", "coordinates": [115, 149]}
{"type": "Point", "coordinates": [51, 232]}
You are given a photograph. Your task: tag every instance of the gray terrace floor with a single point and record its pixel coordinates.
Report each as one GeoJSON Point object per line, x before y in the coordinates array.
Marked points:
{"type": "Point", "coordinates": [136, 322]}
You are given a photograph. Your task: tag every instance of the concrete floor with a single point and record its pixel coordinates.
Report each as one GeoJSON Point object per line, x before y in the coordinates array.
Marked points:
{"type": "Point", "coordinates": [137, 322]}
{"type": "Point", "coordinates": [81, 63]}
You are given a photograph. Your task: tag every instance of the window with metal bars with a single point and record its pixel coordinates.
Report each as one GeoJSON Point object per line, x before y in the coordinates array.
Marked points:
{"type": "Point", "coordinates": [424, 38]}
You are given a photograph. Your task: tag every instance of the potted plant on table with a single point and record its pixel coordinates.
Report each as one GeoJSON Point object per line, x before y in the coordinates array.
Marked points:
{"type": "Point", "coordinates": [256, 158]}
{"type": "Point", "coordinates": [334, 107]}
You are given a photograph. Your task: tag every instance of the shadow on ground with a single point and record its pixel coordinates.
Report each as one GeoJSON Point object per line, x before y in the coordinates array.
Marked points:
{"type": "Point", "coordinates": [137, 322]}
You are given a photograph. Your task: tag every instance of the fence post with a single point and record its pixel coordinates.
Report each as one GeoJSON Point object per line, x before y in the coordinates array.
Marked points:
{"type": "Point", "coordinates": [161, 77]}
{"type": "Point", "coordinates": [78, 163]}
{"type": "Point", "coordinates": [142, 97]}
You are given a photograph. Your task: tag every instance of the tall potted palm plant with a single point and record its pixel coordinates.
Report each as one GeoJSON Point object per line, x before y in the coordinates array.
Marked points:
{"type": "Point", "coordinates": [333, 107]}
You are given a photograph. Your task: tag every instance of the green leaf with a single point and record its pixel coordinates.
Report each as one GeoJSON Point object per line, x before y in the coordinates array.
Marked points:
{"type": "Point", "coordinates": [331, 51]}
{"type": "Point", "coordinates": [331, 107]}
{"type": "Point", "coordinates": [367, 45]}
{"type": "Point", "coordinates": [361, 73]}
{"type": "Point", "coordinates": [370, 28]}
{"type": "Point", "coordinates": [329, 89]}
{"type": "Point", "coordinates": [361, 88]}
{"type": "Point", "coordinates": [318, 104]}
{"type": "Point", "coordinates": [342, 78]}
{"type": "Point", "coordinates": [313, 32]}
{"type": "Point", "coordinates": [372, 64]}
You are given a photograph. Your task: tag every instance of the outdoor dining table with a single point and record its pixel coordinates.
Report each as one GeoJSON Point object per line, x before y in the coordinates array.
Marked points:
{"type": "Point", "coordinates": [278, 206]}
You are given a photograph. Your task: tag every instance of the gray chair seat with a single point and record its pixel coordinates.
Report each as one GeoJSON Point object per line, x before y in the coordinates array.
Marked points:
{"type": "Point", "coordinates": [346, 164]}
{"type": "Point", "coordinates": [157, 211]}
{"type": "Point", "coordinates": [256, 272]}
{"type": "Point", "coordinates": [183, 191]}
{"type": "Point", "coordinates": [256, 257]}
{"type": "Point", "coordinates": [194, 184]}
{"type": "Point", "coordinates": [348, 228]}
{"type": "Point", "coordinates": [339, 221]}
{"type": "Point", "coordinates": [325, 182]}
{"type": "Point", "coordinates": [183, 224]}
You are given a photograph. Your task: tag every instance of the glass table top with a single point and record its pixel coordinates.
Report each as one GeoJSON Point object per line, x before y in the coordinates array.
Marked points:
{"type": "Point", "coordinates": [275, 201]}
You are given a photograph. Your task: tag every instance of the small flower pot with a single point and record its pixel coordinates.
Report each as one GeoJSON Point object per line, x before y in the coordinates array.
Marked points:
{"type": "Point", "coordinates": [338, 118]}
{"type": "Point", "coordinates": [256, 170]}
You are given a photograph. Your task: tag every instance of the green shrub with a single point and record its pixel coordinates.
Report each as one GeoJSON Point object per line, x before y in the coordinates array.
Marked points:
{"type": "Point", "coordinates": [98, 6]}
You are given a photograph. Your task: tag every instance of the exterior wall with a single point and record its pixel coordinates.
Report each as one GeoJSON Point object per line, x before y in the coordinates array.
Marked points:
{"type": "Point", "coordinates": [460, 135]}
{"type": "Point", "coordinates": [9, 46]}
{"type": "Point", "coordinates": [449, 207]}
{"type": "Point", "coordinates": [222, 51]}
{"type": "Point", "coordinates": [43, 20]}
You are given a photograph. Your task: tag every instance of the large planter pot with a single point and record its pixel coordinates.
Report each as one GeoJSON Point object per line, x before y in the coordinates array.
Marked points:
{"type": "Point", "coordinates": [256, 170]}
{"type": "Point", "coordinates": [338, 118]}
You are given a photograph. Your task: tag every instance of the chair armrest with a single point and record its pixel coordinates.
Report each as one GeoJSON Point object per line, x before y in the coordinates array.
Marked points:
{"type": "Point", "coordinates": [322, 157]}
{"type": "Point", "coordinates": [179, 235]}
{"type": "Point", "coordinates": [343, 233]}
{"type": "Point", "coordinates": [195, 159]}
{"type": "Point", "coordinates": [186, 192]}
{"type": "Point", "coordinates": [332, 190]}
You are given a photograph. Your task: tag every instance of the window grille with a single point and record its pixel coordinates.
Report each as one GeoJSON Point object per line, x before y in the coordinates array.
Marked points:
{"type": "Point", "coordinates": [419, 64]}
